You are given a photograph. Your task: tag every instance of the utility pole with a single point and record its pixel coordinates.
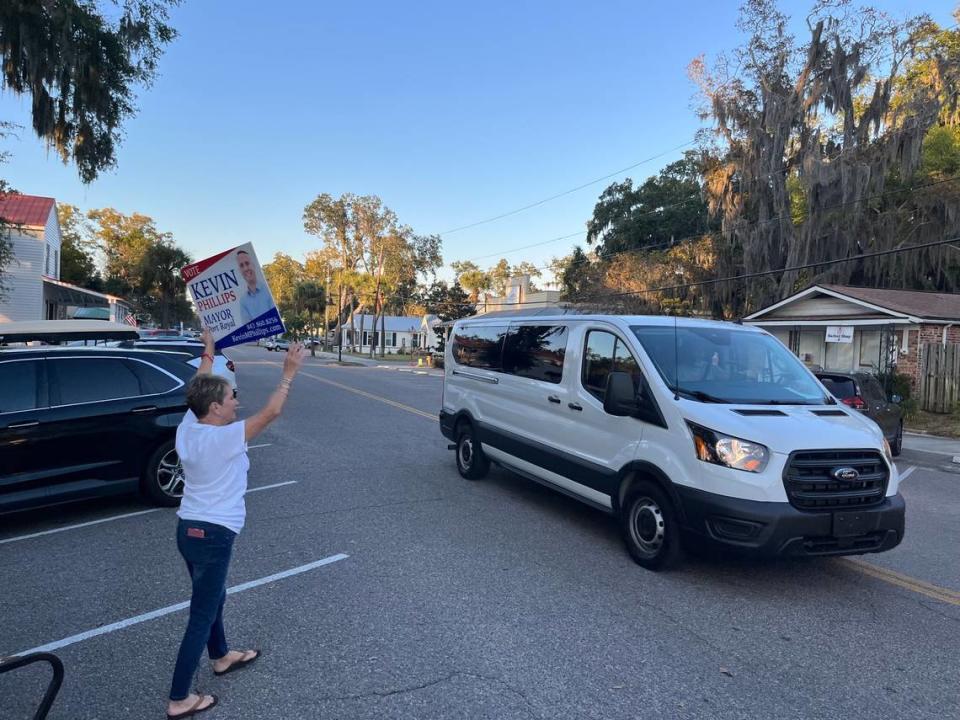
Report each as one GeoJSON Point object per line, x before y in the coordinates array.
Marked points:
{"type": "Point", "coordinates": [339, 316]}
{"type": "Point", "coordinates": [326, 324]}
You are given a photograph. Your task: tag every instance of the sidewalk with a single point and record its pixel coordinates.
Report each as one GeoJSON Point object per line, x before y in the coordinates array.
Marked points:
{"type": "Point", "coordinates": [931, 444]}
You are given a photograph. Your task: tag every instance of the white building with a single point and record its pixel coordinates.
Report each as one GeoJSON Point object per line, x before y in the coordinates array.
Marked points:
{"type": "Point", "coordinates": [519, 297]}
{"type": "Point", "coordinates": [34, 288]}
{"type": "Point", "coordinates": [402, 333]}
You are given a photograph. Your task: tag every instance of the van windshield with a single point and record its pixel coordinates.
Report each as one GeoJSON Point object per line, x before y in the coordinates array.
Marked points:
{"type": "Point", "coordinates": [729, 365]}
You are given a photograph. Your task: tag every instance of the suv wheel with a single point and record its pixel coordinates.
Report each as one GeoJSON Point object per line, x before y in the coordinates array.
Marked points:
{"type": "Point", "coordinates": [897, 445]}
{"type": "Point", "coordinates": [471, 462]}
{"type": "Point", "coordinates": [162, 481]}
{"type": "Point", "coordinates": [649, 525]}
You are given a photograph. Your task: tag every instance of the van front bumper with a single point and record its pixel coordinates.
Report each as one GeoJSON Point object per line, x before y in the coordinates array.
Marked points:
{"type": "Point", "coordinates": [779, 529]}
{"type": "Point", "coordinates": [446, 425]}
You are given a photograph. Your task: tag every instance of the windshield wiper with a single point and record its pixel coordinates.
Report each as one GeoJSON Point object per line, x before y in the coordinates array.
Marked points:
{"type": "Point", "coordinates": [700, 395]}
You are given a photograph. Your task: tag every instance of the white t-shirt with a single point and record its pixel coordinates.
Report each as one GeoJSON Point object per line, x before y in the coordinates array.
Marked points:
{"type": "Point", "coordinates": [215, 465]}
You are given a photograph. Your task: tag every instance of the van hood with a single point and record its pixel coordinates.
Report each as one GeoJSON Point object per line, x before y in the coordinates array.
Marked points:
{"type": "Point", "coordinates": [786, 428]}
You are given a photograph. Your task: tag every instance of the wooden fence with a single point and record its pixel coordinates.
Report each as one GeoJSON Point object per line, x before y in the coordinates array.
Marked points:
{"type": "Point", "coordinates": [940, 377]}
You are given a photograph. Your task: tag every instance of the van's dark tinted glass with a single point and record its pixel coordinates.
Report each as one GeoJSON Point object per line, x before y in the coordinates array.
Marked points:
{"type": "Point", "coordinates": [83, 380]}
{"type": "Point", "coordinates": [19, 383]}
{"type": "Point", "coordinates": [536, 351]}
{"type": "Point", "coordinates": [728, 365]}
{"type": "Point", "coordinates": [479, 346]}
{"type": "Point", "coordinates": [606, 353]}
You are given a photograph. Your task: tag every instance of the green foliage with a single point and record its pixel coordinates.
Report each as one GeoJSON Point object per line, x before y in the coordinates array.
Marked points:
{"type": "Point", "coordinates": [77, 263]}
{"type": "Point", "coordinates": [666, 208]}
{"type": "Point", "coordinates": [447, 302]}
{"type": "Point", "coordinates": [80, 61]}
{"type": "Point", "coordinates": [162, 290]}
{"type": "Point", "coordinates": [895, 383]}
{"type": "Point", "coordinates": [941, 152]}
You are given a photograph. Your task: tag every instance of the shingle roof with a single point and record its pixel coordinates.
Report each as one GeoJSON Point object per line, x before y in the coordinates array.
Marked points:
{"type": "Point", "coordinates": [929, 305]}
{"type": "Point", "coordinates": [30, 210]}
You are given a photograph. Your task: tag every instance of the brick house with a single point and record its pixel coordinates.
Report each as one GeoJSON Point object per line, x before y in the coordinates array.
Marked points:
{"type": "Point", "coordinates": [837, 327]}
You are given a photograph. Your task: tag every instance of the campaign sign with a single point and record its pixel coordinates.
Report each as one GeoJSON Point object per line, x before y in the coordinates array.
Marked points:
{"type": "Point", "coordinates": [232, 297]}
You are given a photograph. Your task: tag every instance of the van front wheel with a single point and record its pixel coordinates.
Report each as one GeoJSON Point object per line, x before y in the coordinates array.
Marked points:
{"type": "Point", "coordinates": [649, 525]}
{"type": "Point", "coordinates": [471, 462]}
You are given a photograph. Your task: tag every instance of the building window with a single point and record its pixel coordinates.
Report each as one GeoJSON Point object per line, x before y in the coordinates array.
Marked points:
{"type": "Point", "coordinates": [870, 348]}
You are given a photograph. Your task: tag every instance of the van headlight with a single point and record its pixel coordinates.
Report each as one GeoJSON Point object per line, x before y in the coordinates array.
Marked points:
{"type": "Point", "coordinates": [887, 451]}
{"type": "Point", "coordinates": [731, 452]}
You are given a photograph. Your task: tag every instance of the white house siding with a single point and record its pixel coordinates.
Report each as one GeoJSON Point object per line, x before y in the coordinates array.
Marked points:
{"type": "Point", "coordinates": [24, 277]}
{"type": "Point", "coordinates": [52, 234]}
{"type": "Point", "coordinates": [820, 307]}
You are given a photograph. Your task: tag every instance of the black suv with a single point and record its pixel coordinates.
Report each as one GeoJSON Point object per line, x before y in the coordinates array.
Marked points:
{"type": "Point", "coordinates": [862, 391]}
{"type": "Point", "coordinates": [81, 422]}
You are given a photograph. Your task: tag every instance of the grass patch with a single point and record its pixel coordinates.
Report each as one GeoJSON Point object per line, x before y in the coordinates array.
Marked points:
{"type": "Point", "coordinates": [945, 425]}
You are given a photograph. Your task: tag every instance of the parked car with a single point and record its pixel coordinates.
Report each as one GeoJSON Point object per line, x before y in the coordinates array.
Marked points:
{"type": "Point", "coordinates": [222, 365]}
{"type": "Point", "coordinates": [690, 432]}
{"type": "Point", "coordinates": [277, 345]}
{"type": "Point", "coordinates": [863, 392]}
{"type": "Point", "coordinates": [78, 422]}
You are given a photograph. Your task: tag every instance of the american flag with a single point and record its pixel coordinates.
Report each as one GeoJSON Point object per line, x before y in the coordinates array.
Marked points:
{"type": "Point", "coordinates": [129, 319]}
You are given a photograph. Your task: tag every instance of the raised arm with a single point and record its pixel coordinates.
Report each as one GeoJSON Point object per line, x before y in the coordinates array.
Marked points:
{"type": "Point", "coordinates": [256, 424]}
{"type": "Point", "coordinates": [209, 348]}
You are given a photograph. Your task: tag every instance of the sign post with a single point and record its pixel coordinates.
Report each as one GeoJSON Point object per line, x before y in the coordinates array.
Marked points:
{"type": "Point", "coordinates": [232, 297]}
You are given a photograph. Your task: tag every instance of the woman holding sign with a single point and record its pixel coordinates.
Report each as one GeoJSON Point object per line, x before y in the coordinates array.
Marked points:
{"type": "Point", "coordinates": [212, 445]}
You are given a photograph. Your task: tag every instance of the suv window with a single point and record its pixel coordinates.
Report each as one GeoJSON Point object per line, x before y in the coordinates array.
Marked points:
{"type": "Point", "coordinates": [82, 379]}
{"type": "Point", "coordinates": [20, 383]}
{"type": "Point", "coordinates": [839, 386]}
{"type": "Point", "coordinates": [479, 346]}
{"type": "Point", "coordinates": [872, 388]}
{"type": "Point", "coordinates": [152, 379]}
{"type": "Point", "coordinates": [606, 353]}
{"type": "Point", "coordinates": [536, 351]}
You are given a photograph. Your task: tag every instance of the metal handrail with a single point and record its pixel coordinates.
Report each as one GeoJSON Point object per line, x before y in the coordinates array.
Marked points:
{"type": "Point", "coordinates": [12, 663]}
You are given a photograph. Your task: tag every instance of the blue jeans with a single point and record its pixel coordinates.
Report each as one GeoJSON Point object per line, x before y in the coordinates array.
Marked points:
{"type": "Point", "coordinates": [205, 548]}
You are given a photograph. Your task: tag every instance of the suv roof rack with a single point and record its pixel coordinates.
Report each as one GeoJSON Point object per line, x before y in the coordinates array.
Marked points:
{"type": "Point", "coordinates": [59, 330]}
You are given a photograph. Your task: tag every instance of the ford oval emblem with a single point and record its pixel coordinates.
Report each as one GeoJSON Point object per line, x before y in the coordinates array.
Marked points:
{"type": "Point", "coordinates": [845, 474]}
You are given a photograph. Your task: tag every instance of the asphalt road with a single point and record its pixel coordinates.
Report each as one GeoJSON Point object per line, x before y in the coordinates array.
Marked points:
{"type": "Point", "coordinates": [491, 599]}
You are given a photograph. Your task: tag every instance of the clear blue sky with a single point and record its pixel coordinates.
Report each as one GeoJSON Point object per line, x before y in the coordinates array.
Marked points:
{"type": "Point", "coordinates": [450, 112]}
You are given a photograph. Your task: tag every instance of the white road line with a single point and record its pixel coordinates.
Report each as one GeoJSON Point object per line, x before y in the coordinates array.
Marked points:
{"type": "Point", "coordinates": [81, 525]}
{"type": "Point", "coordinates": [254, 447]}
{"type": "Point", "coordinates": [269, 487]}
{"type": "Point", "coordinates": [906, 473]}
{"type": "Point", "coordinates": [153, 615]}
{"type": "Point", "coordinates": [120, 517]}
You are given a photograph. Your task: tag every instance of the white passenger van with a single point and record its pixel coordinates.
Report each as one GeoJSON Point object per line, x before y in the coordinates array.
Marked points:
{"type": "Point", "coordinates": [689, 431]}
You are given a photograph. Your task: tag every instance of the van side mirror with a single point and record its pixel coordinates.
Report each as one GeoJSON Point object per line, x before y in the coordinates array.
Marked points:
{"type": "Point", "coordinates": [620, 398]}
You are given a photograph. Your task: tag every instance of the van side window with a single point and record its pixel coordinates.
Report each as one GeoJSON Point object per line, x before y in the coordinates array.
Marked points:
{"type": "Point", "coordinates": [536, 351]}
{"type": "Point", "coordinates": [479, 346]}
{"type": "Point", "coordinates": [606, 353]}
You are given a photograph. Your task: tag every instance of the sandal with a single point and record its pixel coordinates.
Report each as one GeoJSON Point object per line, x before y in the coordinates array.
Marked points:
{"type": "Point", "coordinates": [242, 662]}
{"type": "Point", "coordinates": [196, 709]}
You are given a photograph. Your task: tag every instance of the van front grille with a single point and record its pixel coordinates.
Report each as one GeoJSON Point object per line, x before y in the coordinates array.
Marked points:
{"type": "Point", "coordinates": [811, 483]}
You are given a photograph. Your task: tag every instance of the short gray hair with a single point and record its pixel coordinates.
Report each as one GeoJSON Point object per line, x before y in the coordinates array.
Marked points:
{"type": "Point", "coordinates": [203, 391]}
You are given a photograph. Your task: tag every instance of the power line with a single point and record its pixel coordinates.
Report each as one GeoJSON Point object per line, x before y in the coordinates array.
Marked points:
{"type": "Point", "coordinates": [568, 192]}
{"type": "Point", "coordinates": [680, 241]}
{"type": "Point", "coordinates": [729, 278]}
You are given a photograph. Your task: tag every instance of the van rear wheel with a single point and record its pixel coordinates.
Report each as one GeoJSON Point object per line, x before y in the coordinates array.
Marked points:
{"type": "Point", "coordinates": [471, 462]}
{"type": "Point", "coordinates": [649, 525]}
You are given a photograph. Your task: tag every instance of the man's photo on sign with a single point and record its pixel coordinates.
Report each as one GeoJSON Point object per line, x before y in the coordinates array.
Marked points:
{"type": "Point", "coordinates": [255, 299]}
